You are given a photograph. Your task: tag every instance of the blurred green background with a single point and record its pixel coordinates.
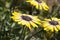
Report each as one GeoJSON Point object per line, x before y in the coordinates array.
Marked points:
{"type": "Point", "coordinates": [10, 30]}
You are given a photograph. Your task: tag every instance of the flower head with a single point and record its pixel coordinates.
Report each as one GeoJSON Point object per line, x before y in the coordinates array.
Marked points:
{"type": "Point", "coordinates": [52, 24]}
{"type": "Point", "coordinates": [24, 19]}
{"type": "Point", "coordinates": [38, 4]}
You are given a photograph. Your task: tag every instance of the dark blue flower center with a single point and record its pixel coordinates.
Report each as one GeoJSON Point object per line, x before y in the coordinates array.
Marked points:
{"type": "Point", "coordinates": [27, 18]}
{"type": "Point", "coordinates": [39, 1]}
{"type": "Point", "coordinates": [54, 22]}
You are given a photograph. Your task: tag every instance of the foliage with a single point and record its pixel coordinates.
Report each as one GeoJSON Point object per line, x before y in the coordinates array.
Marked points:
{"type": "Point", "coordinates": [10, 30]}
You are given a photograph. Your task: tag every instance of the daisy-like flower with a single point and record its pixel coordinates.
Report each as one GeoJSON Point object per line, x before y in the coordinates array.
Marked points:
{"type": "Point", "coordinates": [27, 20]}
{"type": "Point", "coordinates": [38, 4]}
{"type": "Point", "coordinates": [52, 24]}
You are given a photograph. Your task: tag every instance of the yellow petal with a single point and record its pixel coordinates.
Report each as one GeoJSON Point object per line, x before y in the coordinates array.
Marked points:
{"type": "Point", "coordinates": [28, 25]}
{"type": "Point", "coordinates": [45, 28]}
{"type": "Point", "coordinates": [34, 3]}
{"type": "Point", "coordinates": [44, 5]}
{"type": "Point", "coordinates": [40, 7]}
{"type": "Point", "coordinates": [37, 22]}
{"type": "Point", "coordinates": [55, 19]}
{"type": "Point", "coordinates": [47, 19]}
{"type": "Point", "coordinates": [50, 27]}
{"type": "Point", "coordinates": [14, 13]}
{"type": "Point", "coordinates": [23, 22]}
{"type": "Point", "coordinates": [29, 0]}
{"type": "Point", "coordinates": [58, 27]}
{"type": "Point", "coordinates": [33, 24]}
{"type": "Point", "coordinates": [55, 29]}
{"type": "Point", "coordinates": [19, 22]}
{"type": "Point", "coordinates": [44, 24]}
{"type": "Point", "coordinates": [35, 17]}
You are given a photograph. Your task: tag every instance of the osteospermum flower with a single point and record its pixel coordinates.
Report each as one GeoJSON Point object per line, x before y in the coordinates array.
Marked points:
{"type": "Point", "coordinates": [24, 19]}
{"type": "Point", "coordinates": [52, 24]}
{"type": "Point", "coordinates": [38, 4]}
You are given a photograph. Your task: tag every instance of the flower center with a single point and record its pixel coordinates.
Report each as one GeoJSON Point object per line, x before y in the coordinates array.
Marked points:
{"type": "Point", "coordinates": [53, 22]}
{"type": "Point", "coordinates": [39, 1]}
{"type": "Point", "coordinates": [27, 18]}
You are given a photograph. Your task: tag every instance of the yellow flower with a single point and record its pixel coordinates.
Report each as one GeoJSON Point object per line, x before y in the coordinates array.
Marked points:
{"type": "Point", "coordinates": [52, 24]}
{"type": "Point", "coordinates": [38, 4]}
{"type": "Point", "coordinates": [24, 19]}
